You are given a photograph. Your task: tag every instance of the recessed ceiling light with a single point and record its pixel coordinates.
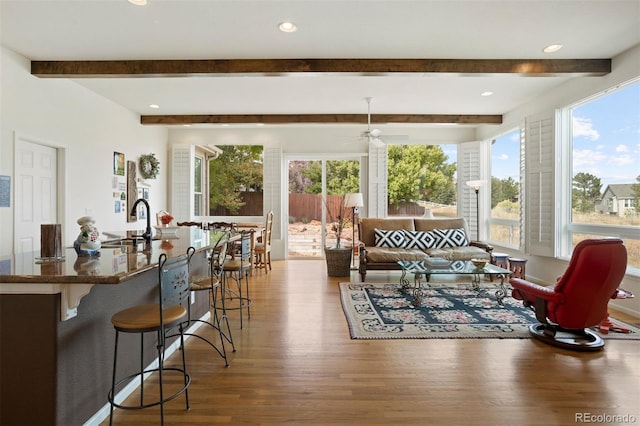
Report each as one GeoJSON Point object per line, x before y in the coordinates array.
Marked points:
{"type": "Point", "coordinates": [154, 106]}
{"type": "Point", "coordinates": [138, 2]}
{"type": "Point", "coordinates": [487, 93]}
{"type": "Point", "coordinates": [287, 27]}
{"type": "Point", "coordinates": [552, 48]}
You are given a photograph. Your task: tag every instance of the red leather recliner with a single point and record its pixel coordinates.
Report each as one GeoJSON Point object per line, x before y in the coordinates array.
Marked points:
{"type": "Point", "coordinates": [580, 297]}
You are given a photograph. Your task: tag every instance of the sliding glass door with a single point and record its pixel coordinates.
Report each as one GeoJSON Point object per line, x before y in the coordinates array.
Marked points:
{"type": "Point", "coordinates": [315, 185]}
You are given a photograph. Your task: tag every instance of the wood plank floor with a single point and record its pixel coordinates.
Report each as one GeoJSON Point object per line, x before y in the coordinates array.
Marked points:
{"type": "Point", "coordinates": [295, 363]}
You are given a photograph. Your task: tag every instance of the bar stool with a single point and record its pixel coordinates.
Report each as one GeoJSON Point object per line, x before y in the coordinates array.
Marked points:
{"type": "Point", "coordinates": [212, 284]}
{"type": "Point", "coordinates": [237, 269]}
{"type": "Point", "coordinates": [168, 313]}
{"type": "Point", "coordinates": [518, 267]}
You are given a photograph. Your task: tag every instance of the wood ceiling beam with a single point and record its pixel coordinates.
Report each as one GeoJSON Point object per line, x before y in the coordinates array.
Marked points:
{"type": "Point", "coordinates": [321, 119]}
{"type": "Point", "coordinates": [279, 67]}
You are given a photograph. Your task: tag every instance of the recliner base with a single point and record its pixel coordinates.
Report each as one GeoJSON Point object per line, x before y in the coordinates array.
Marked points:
{"type": "Point", "coordinates": [575, 340]}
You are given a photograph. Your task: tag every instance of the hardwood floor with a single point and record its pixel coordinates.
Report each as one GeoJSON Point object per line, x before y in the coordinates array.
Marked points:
{"type": "Point", "coordinates": [295, 363]}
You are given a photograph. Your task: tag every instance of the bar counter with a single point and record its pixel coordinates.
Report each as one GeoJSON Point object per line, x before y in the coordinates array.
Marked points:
{"type": "Point", "coordinates": [57, 339]}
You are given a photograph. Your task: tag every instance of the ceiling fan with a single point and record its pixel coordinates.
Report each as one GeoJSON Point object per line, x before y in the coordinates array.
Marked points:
{"type": "Point", "coordinates": [374, 136]}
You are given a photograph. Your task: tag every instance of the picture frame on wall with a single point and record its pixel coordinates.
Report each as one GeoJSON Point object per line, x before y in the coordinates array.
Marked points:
{"type": "Point", "coordinates": [118, 163]}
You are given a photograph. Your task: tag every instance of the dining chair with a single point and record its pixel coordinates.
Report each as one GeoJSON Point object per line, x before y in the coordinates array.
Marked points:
{"type": "Point", "coordinates": [262, 248]}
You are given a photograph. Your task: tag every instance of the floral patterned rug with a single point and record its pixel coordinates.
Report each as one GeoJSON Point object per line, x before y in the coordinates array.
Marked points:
{"type": "Point", "coordinates": [385, 311]}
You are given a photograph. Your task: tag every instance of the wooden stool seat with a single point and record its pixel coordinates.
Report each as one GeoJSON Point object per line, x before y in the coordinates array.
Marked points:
{"type": "Point", "coordinates": [147, 317]}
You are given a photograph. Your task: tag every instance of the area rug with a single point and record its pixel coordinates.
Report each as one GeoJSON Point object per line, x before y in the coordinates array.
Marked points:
{"type": "Point", "coordinates": [385, 311]}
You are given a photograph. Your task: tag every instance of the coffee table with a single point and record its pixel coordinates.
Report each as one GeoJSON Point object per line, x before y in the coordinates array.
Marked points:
{"type": "Point", "coordinates": [460, 267]}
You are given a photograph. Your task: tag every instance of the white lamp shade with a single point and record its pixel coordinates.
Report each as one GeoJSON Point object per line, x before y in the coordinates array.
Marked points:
{"type": "Point", "coordinates": [475, 184]}
{"type": "Point", "coordinates": [353, 199]}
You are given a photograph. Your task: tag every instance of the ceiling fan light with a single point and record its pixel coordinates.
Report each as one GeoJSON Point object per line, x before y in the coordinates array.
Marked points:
{"type": "Point", "coordinates": [138, 2]}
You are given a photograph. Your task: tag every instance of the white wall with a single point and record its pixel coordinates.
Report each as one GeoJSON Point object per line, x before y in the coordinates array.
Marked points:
{"type": "Point", "coordinates": [90, 128]}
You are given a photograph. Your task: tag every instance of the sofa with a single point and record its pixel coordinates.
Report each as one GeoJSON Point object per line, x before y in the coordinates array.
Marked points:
{"type": "Point", "coordinates": [383, 242]}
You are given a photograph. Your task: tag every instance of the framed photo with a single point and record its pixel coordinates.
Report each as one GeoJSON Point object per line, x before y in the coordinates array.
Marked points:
{"type": "Point", "coordinates": [118, 163]}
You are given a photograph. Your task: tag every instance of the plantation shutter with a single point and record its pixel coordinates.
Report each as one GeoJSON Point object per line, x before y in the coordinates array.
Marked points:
{"type": "Point", "coordinates": [522, 198]}
{"type": "Point", "coordinates": [377, 197]}
{"type": "Point", "coordinates": [272, 195]}
{"type": "Point", "coordinates": [180, 196]}
{"type": "Point", "coordinates": [468, 169]}
{"type": "Point", "coordinates": [539, 179]}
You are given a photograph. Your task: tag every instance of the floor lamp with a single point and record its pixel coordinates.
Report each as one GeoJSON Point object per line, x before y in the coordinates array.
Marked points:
{"type": "Point", "coordinates": [353, 200]}
{"type": "Point", "coordinates": [476, 184]}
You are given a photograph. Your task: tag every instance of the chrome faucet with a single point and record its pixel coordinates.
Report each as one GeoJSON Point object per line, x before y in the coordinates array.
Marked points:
{"type": "Point", "coordinates": [147, 232]}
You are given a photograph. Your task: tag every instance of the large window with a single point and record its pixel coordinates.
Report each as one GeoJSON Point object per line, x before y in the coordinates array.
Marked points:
{"type": "Point", "coordinates": [421, 177]}
{"type": "Point", "coordinates": [604, 157]}
{"type": "Point", "coordinates": [505, 190]}
{"type": "Point", "coordinates": [236, 181]}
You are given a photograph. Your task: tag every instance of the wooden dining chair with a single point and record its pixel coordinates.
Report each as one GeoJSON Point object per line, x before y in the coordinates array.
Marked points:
{"type": "Point", "coordinates": [262, 248]}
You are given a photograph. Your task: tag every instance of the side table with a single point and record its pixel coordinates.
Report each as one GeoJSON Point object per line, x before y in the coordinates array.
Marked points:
{"type": "Point", "coordinates": [499, 259]}
{"type": "Point", "coordinates": [518, 267]}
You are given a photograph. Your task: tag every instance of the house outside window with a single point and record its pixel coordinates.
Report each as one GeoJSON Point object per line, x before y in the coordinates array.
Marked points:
{"type": "Point", "coordinates": [600, 163]}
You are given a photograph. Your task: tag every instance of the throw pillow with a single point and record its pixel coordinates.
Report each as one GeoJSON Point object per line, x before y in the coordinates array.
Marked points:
{"type": "Point", "coordinates": [420, 239]}
{"type": "Point", "coordinates": [393, 239]}
{"type": "Point", "coordinates": [455, 237]}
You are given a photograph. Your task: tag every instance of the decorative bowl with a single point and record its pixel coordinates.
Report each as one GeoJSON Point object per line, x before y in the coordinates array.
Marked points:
{"type": "Point", "coordinates": [479, 263]}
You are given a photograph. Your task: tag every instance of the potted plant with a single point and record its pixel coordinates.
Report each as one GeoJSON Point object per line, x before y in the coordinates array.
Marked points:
{"type": "Point", "coordinates": [338, 258]}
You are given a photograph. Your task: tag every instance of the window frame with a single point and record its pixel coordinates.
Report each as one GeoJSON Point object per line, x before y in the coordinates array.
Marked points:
{"type": "Point", "coordinates": [565, 226]}
{"type": "Point", "coordinates": [513, 223]}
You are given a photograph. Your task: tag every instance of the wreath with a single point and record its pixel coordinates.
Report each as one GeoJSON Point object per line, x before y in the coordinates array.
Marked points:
{"type": "Point", "coordinates": [149, 166]}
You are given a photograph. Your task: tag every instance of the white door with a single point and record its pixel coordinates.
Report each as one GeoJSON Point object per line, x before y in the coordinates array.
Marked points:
{"type": "Point", "coordinates": [35, 192]}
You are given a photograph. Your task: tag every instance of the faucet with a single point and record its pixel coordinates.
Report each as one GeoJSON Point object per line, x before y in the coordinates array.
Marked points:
{"type": "Point", "coordinates": [147, 232]}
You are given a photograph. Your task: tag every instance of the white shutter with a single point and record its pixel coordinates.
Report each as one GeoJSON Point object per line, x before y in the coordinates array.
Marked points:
{"type": "Point", "coordinates": [180, 196]}
{"type": "Point", "coordinates": [272, 195]}
{"type": "Point", "coordinates": [523, 192]}
{"type": "Point", "coordinates": [378, 194]}
{"type": "Point", "coordinates": [468, 169]}
{"type": "Point", "coordinates": [539, 185]}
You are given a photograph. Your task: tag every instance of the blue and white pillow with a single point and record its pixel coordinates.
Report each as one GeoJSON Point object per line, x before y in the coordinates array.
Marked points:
{"type": "Point", "coordinates": [392, 239]}
{"type": "Point", "coordinates": [455, 237]}
{"type": "Point", "coordinates": [420, 239]}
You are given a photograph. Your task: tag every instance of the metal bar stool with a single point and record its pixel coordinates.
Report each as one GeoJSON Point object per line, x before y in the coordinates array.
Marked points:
{"type": "Point", "coordinates": [237, 269]}
{"type": "Point", "coordinates": [169, 313]}
{"type": "Point", "coordinates": [212, 284]}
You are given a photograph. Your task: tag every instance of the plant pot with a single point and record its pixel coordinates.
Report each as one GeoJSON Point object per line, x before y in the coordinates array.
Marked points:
{"type": "Point", "coordinates": [338, 261]}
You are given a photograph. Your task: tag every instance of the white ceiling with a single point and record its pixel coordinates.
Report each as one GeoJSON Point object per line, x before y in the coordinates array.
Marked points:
{"type": "Point", "coordinates": [186, 29]}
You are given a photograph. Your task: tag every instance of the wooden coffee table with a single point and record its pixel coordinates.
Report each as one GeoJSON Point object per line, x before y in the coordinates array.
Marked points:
{"type": "Point", "coordinates": [420, 269]}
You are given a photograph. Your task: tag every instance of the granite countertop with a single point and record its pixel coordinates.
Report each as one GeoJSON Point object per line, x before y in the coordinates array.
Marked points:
{"type": "Point", "coordinates": [114, 264]}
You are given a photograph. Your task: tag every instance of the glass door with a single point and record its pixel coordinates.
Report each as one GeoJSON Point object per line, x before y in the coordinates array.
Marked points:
{"type": "Point", "coordinates": [315, 185]}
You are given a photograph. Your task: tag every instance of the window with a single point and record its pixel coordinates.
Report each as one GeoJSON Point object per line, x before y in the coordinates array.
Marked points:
{"type": "Point", "coordinates": [198, 207]}
{"type": "Point", "coordinates": [603, 159]}
{"type": "Point", "coordinates": [236, 181]}
{"type": "Point", "coordinates": [505, 190]}
{"type": "Point", "coordinates": [421, 177]}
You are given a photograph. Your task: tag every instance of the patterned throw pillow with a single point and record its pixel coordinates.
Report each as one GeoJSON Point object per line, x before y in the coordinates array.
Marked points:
{"type": "Point", "coordinates": [420, 239]}
{"type": "Point", "coordinates": [450, 238]}
{"type": "Point", "coordinates": [394, 239]}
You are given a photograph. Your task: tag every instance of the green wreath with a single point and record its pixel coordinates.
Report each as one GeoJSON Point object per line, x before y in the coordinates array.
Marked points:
{"type": "Point", "coordinates": [149, 166]}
